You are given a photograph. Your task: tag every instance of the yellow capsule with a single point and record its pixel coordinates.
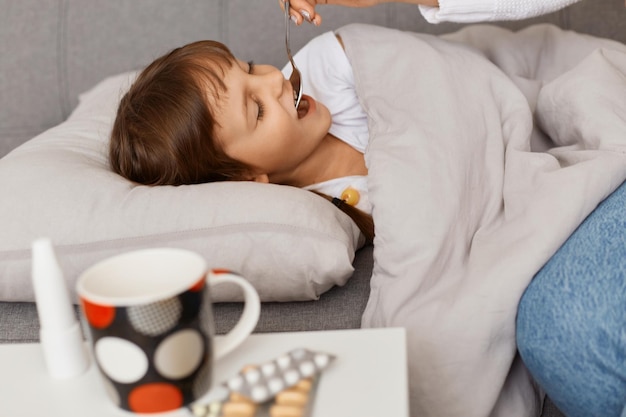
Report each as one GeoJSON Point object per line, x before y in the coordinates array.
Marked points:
{"type": "Point", "coordinates": [238, 409]}
{"type": "Point", "coordinates": [236, 397]}
{"type": "Point", "coordinates": [286, 411]}
{"type": "Point", "coordinates": [248, 367]}
{"type": "Point", "coordinates": [304, 385]}
{"type": "Point", "coordinates": [351, 196]}
{"type": "Point", "coordinates": [292, 397]}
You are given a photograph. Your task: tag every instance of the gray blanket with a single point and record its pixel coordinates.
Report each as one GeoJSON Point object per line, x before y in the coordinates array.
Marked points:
{"type": "Point", "coordinates": [487, 150]}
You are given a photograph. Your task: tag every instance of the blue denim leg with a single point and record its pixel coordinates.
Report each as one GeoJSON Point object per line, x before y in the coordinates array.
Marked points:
{"type": "Point", "coordinates": [571, 323]}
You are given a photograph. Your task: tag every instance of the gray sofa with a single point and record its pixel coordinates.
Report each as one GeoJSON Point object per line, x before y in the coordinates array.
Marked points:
{"type": "Point", "coordinates": [52, 50]}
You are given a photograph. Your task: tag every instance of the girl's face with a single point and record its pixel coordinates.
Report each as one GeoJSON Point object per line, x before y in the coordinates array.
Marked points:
{"type": "Point", "coordinates": [259, 125]}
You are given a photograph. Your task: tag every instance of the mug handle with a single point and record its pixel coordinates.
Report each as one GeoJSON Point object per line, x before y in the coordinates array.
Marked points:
{"type": "Point", "coordinates": [249, 318]}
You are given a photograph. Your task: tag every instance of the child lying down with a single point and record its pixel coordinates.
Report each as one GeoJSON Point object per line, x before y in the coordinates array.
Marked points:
{"type": "Point", "coordinates": [198, 114]}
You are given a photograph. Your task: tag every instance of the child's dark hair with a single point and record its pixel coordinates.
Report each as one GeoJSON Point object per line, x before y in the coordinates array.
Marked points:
{"type": "Point", "coordinates": [164, 128]}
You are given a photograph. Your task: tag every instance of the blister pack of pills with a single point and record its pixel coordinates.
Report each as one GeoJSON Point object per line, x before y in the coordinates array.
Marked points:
{"type": "Point", "coordinates": [283, 387]}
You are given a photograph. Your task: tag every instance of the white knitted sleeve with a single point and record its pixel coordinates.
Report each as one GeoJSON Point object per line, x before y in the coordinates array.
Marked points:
{"type": "Point", "coordinates": [468, 11]}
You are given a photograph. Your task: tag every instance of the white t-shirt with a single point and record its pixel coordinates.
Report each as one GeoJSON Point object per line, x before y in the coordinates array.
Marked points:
{"type": "Point", "coordinates": [327, 77]}
{"type": "Point", "coordinates": [468, 11]}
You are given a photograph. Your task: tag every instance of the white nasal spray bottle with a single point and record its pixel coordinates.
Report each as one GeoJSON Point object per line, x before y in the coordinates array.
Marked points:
{"type": "Point", "coordinates": [60, 334]}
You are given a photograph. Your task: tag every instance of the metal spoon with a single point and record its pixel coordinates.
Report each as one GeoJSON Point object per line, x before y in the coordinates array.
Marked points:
{"type": "Point", "coordinates": [295, 79]}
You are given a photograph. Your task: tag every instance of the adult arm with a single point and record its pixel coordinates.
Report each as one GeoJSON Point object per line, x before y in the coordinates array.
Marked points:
{"type": "Point", "coordinates": [300, 9]}
{"type": "Point", "coordinates": [436, 11]}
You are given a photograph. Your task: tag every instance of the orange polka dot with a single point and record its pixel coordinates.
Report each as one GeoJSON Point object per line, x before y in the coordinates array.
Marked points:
{"type": "Point", "coordinates": [98, 316]}
{"type": "Point", "coordinates": [155, 398]}
{"type": "Point", "coordinates": [220, 271]}
{"type": "Point", "coordinates": [198, 286]}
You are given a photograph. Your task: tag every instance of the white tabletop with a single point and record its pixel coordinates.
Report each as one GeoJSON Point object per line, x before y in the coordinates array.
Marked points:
{"type": "Point", "coordinates": [367, 379]}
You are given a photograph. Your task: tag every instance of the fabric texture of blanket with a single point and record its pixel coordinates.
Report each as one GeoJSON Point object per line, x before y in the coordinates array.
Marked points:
{"type": "Point", "coordinates": [465, 212]}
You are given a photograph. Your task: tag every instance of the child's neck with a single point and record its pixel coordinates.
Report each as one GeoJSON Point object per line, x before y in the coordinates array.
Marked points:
{"type": "Point", "coordinates": [334, 158]}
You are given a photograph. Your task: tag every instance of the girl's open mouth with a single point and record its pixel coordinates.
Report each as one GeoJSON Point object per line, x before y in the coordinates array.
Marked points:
{"type": "Point", "coordinates": [307, 104]}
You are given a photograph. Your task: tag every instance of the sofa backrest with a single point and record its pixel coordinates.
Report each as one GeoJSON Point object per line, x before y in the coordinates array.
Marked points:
{"type": "Point", "coordinates": [52, 50]}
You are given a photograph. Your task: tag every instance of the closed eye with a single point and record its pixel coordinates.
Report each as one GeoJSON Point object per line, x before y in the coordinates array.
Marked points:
{"type": "Point", "coordinates": [261, 110]}
{"type": "Point", "coordinates": [260, 106]}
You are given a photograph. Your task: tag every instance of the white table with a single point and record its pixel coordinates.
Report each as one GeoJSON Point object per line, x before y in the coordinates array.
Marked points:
{"type": "Point", "coordinates": [368, 378]}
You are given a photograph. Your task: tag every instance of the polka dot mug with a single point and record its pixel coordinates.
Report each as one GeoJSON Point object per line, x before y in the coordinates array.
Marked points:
{"type": "Point", "coordinates": [150, 322]}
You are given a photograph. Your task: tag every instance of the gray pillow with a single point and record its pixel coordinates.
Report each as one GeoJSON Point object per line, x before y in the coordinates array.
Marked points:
{"type": "Point", "coordinates": [289, 243]}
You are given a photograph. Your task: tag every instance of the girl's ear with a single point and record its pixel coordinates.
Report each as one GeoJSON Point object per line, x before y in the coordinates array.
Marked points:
{"type": "Point", "coordinates": [261, 178]}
